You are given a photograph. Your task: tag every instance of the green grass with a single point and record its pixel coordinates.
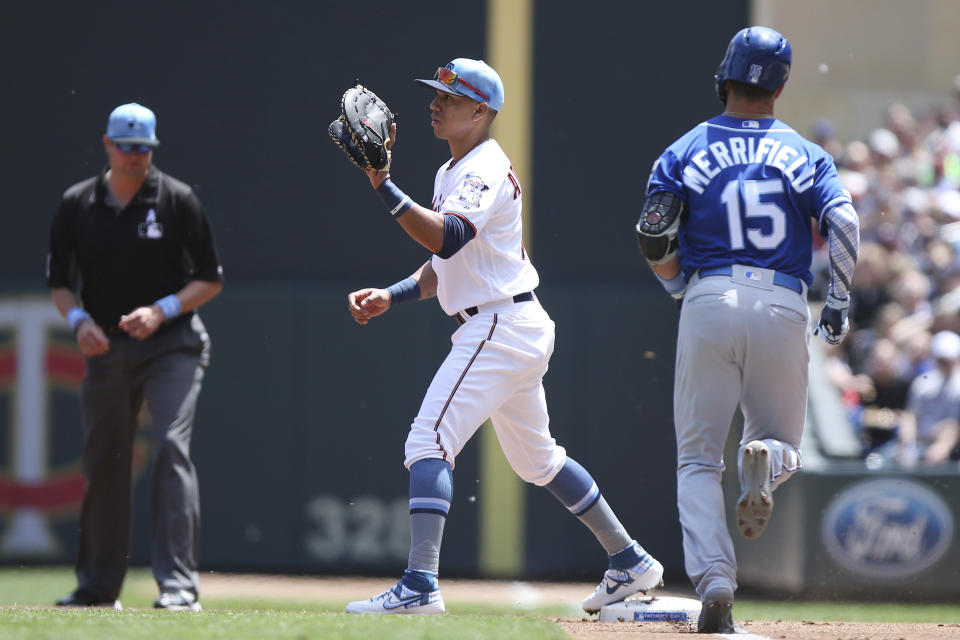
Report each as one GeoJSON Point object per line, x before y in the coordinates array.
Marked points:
{"type": "Point", "coordinates": [846, 611]}
{"type": "Point", "coordinates": [22, 591]}
{"type": "Point", "coordinates": [27, 593]}
{"type": "Point", "coordinates": [43, 624]}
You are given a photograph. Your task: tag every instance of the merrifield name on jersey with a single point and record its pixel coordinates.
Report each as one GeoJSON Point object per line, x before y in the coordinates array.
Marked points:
{"type": "Point", "coordinates": [734, 151]}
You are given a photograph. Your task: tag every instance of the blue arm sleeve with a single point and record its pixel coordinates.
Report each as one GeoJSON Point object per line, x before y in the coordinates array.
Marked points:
{"type": "Point", "coordinates": [456, 233]}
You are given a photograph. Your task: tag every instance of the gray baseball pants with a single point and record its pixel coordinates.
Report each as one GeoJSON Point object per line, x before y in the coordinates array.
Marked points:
{"type": "Point", "coordinates": [165, 371]}
{"type": "Point", "coordinates": [740, 342]}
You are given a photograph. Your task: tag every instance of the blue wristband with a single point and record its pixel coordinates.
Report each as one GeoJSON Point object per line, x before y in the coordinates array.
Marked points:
{"type": "Point", "coordinates": [404, 291]}
{"type": "Point", "coordinates": [674, 285]}
{"type": "Point", "coordinates": [169, 305]}
{"type": "Point", "coordinates": [75, 316]}
{"type": "Point", "coordinates": [396, 201]}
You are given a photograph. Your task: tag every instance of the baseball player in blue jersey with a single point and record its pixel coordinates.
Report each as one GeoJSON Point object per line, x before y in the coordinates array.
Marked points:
{"type": "Point", "coordinates": [482, 276]}
{"type": "Point", "coordinates": [727, 229]}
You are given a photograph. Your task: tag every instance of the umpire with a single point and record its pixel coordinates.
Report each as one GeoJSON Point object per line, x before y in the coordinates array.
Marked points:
{"type": "Point", "coordinates": [137, 246]}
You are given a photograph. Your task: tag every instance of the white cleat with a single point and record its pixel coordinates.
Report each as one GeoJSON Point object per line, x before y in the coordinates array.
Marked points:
{"type": "Point", "coordinates": [620, 584]}
{"type": "Point", "coordinates": [756, 501]}
{"type": "Point", "coordinates": [400, 599]}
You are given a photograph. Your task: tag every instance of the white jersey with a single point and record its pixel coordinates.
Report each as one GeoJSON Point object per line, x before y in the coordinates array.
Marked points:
{"type": "Point", "coordinates": [482, 190]}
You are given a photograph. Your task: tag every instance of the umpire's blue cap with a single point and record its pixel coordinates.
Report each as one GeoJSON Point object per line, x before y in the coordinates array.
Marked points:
{"type": "Point", "coordinates": [474, 79]}
{"type": "Point", "coordinates": [133, 123]}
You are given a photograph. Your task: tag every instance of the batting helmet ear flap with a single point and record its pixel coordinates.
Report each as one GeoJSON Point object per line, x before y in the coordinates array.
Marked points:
{"type": "Point", "coordinates": [720, 84]}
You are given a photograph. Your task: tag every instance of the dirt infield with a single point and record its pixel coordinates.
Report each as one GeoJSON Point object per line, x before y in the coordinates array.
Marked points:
{"type": "Point", "coordinates": [593, 630]}
{"type": "Point", "coordinates": [536, 594]}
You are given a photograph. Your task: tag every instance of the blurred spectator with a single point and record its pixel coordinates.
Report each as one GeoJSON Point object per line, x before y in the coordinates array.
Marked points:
{"type": "Point", "coordinates": [824, 134]}
{"type": "Point", "coordinates": [929, 428]}
{"type": "Point", "coordinates": [883, 394]}
{"type": "Point", "coordinates": [912, 292]}
{"type": "Point", "coordinates": [869, 289]}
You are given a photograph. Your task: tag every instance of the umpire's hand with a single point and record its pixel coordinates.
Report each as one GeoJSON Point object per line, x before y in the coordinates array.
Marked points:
{"type": "Point", "coordinates": [91, 339]}
{"type": "Point", "coordinates": [142, 322]}
{"type": "Point", "coordinates": [368, 303]}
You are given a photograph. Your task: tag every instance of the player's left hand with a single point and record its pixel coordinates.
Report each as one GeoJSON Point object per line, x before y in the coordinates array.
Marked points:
{"type": "Point", "coordinates": [834, 324]}
{"type": "Point", "coordinates": [368, 303]}
{"type": "Point", "coordinates": [377, 177]}
{"type": "Point", "coordinates": [142, 322]}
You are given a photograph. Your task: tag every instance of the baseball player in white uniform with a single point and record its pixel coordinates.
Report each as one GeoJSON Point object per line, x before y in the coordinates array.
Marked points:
{"type": "Point", "coordinates": [727, 228]}
{"type": "Point", "coordinates": [483, 277]}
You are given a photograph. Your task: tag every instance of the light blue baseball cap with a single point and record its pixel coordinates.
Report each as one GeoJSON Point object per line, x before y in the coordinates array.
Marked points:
{"type": "Point", "coordinates": [474, 79]}
{"type": "Point", "coordinates": [133, 123]}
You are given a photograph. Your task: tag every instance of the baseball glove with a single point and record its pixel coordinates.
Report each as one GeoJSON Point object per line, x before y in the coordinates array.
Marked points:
{"type": "Point", "coordinates": [363, 128]}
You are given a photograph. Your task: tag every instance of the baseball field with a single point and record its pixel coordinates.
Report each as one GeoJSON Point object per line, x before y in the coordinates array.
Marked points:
{"type": "Point", "coordinates": [241, 607]}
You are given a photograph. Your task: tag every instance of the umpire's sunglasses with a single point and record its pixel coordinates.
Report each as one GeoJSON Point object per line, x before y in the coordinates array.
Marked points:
{"type": "Point", "coordinates": [449, 77]}
{"type": "Point", "coordinates": [130, 147]}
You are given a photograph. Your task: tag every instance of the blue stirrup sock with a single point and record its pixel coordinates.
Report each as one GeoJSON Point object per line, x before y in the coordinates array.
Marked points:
{"type": "Point", "coordinates": [574, 487]}
{"type": "Point", "coordinates": [431, 490]}
{"type": "Point", "coordinates": [418, 580]}
{"type": "Point", "coordinates": [628, 557]}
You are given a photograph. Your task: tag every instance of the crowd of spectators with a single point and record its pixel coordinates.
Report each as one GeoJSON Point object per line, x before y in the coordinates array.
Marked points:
{"type": "Point", "coordinates": [897, 369]}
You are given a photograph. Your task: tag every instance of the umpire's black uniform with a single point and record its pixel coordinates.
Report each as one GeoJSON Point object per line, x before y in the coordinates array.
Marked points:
{"type": "Point", "coordinates": [123, 258]}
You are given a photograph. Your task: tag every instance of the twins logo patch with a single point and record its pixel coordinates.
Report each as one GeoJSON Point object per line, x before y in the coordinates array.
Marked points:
{"type": "Point", "coordinates": [150, 228]}
{"type": "Point", "coordinates": [472, 190]}
{"type": "Point", "coordinates": [887, 528]}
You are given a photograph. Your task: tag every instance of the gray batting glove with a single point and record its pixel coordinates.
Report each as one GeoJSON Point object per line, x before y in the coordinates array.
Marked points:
{"type": "Point", "coordinates": [833, 324]}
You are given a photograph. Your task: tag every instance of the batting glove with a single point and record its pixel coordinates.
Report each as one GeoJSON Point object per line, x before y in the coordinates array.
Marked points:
{"type": "Point", "coordinates": [833, 320]}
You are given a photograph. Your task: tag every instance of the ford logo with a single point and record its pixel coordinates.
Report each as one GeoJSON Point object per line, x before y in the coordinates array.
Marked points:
{"type": "Point", "coordinates": [887, 528]}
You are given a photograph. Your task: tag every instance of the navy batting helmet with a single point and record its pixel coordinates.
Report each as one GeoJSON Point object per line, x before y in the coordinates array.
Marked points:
{"type": "Point", "coordinates": [756, 55]}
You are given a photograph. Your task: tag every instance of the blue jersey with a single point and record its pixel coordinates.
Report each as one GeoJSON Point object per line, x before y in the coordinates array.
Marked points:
{"type": "Point", "coordinates": [752, 189]}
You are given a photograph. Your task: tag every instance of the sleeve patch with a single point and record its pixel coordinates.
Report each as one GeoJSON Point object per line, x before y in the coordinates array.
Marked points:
{"type": "Point", "coordinates": [471, 190]}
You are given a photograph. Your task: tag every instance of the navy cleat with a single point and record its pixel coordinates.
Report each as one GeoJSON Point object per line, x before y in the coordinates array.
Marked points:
{"type": "Point", "coordinates": [716, 613]}
{"type": "Point", "coordinates": [81, 598]}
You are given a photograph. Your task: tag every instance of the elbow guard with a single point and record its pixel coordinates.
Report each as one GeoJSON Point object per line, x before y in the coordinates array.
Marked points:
{"type": "Point", "coordinates": [658, 226]}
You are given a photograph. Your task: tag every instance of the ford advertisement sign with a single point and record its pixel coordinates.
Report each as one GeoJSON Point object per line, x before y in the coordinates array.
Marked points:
{"type": "Point", "coordinates": [887, 528]}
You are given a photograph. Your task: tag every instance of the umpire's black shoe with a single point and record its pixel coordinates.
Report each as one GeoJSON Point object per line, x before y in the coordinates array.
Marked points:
{"type": "Point", "coordinates": [177, 600]}
{"type": "Point", "coordinates": [716, 613]}
{"type": "Point", "coordinates": [81, 598]}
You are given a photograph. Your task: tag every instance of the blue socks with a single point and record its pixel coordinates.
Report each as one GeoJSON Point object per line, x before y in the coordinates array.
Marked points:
{"type": "Point", "coordinates": [417, 580]}
{"type": "Point", "coordinates": [431, 489]}
{"type": "Point", "coordinates": [628, 557]}
{"type": "Point", "coordinates": [574, 487]}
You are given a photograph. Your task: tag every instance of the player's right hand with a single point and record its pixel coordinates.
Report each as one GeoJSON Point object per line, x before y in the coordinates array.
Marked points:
{"type": "Point", "coordinates": [91, 339]}
{"type": "Point", "coordinates": [368, 303]}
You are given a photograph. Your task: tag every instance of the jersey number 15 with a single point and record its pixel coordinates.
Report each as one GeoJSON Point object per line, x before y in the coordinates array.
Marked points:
{"type": "Point", "coordinates": [754, 208]}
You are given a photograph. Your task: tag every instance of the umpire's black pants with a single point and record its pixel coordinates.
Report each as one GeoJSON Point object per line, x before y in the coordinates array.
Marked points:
{"type": "Point", "coordinates": [166, 371]}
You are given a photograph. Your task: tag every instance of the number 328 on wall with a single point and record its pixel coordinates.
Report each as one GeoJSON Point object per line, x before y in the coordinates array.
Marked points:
{"type": "Point", "coordinates": [367, 529]}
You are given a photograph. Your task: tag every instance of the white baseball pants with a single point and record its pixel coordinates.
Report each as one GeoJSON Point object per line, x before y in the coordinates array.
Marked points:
{"type": "Point", "coordinates": [494, 370]}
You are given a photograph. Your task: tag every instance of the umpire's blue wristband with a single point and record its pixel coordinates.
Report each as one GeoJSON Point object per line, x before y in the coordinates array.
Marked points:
{"type": "Point", "coordinates": [169, 305]}
{"type": "Point", "coordinates": [404, 291]}
{"type": "Point", "coordinates": [75, 316]}
{"type": "Point", "coordinates": [674, 285]}
{"type": "Point", "coordinates": [396, 201]}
